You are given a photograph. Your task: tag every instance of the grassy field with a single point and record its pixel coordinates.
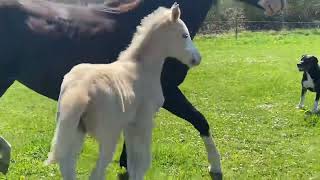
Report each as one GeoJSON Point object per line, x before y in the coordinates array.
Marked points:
{"type": "Point", "coordinates": [247, 89]}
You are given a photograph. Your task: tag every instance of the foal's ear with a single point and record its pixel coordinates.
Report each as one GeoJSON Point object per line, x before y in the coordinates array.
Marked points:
{"type": "Point", "coordinates": [175, 12]}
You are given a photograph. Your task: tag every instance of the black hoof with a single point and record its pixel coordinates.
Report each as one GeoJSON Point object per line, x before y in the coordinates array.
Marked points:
{"type": "Point", "coordinates": [123, 176]}
{"type": "Point", "coordinates": [216, 176]}
{"type": "Point", "coordinates": [123, 163]}
{"type": "Point", "coordinates": [4, 168]}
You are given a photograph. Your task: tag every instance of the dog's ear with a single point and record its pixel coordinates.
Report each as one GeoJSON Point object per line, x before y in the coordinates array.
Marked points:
{"type": "Point", "coordinates": [303, 57]}
{"type": "Point", "coordinates": [315, 59]}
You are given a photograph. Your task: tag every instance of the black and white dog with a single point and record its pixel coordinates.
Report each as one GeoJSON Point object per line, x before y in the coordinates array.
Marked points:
{"type": "Point", "coordinates": [310, 79]}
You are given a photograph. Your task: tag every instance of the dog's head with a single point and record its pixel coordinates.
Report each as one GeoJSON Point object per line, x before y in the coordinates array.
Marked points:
{"type": "Point", "coordinates": [307, 62]}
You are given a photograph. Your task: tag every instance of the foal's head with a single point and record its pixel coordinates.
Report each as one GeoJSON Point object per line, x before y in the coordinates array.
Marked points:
{"type": "Point", "coordinates": [166, 34]}
{"type": "Point", "coordinates": [177, 39]}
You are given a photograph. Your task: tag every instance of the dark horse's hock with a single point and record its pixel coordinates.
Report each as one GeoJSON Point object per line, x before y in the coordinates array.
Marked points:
{"type": "Point", "coordinates": [41, 41]}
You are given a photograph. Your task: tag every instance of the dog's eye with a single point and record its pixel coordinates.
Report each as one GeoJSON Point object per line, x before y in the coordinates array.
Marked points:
{"type": "Point", "coordinates": [185, 35]}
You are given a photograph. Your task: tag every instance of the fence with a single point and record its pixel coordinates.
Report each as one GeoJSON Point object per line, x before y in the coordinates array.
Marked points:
{"type": "Point", "coordinates": [218, 27]}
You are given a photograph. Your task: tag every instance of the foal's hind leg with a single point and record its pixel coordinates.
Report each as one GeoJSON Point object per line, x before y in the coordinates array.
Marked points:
{"type": "Point", "coordinates": [68, 163]}
{"type": "Point", "coordinates": [138, 141]}
{"type": "Point", "coordinates": [66, 144]}
{"type": "Point", "coordinates": [5, 147]}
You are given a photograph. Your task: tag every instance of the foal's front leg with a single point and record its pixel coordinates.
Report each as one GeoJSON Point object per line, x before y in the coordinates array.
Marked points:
{"type": "Point", "coordinates": [138, 142]}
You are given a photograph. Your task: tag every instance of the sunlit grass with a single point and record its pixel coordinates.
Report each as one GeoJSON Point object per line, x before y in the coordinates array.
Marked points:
{"type": "Point", "coordinates": [247, 89]}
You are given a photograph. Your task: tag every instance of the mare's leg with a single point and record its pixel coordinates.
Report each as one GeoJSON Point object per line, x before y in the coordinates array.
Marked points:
{"type": "Point", "coordinates": [5, 147]}
{"type": "Point", "coordinates": [5, 84]}
{"type": "Point", "coordinates": [178, 104]}
{"type": "Point", "coordinates": [138, 141]}
{"type": "Point", "coordinates": [123, 157]}
{"type": "Point", "coordinates": [107, 145]}
{"type": "Point", "coordinates": [5, 152]}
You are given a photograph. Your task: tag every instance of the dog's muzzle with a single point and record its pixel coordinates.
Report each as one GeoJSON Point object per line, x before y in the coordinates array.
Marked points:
{"type": "Point", "coordinates": [300, 67]}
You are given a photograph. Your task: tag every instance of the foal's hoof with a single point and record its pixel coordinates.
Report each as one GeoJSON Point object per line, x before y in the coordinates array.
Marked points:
{"type": "Point", "coordinates": [216, 175]}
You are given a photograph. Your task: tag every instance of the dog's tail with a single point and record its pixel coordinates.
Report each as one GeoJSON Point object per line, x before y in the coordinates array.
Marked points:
{"type": "Point", "coordinates": [72, 104]}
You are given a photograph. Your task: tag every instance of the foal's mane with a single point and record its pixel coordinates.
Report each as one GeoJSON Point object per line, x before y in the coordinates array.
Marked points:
{"type": "Point", "coordinates": [148, 25]}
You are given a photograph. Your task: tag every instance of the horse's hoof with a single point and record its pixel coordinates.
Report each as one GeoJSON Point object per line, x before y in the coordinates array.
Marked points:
{"type": "Point", "coordinates": [123, 163]}
{"type": "Point", "coordinates": [5, 152]}
{"type": "Point", "coordinates": [4, 168]}
{"type": "Point", "coordinates": [123, 176]}
{"type": "Point", "coordinates": [216, 175]}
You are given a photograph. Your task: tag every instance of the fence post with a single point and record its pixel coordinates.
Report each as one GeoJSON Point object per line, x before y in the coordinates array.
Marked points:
{"type": "Point", "coordinates": [282, 22]}
{"type": "Point", "coordinates": [236, 29]}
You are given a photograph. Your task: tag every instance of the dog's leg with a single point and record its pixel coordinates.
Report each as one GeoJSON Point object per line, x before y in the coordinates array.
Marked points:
{"type": "Point", "coordinates": [302, 98]}
{"type": "Point", "coordinates": [316, 102]}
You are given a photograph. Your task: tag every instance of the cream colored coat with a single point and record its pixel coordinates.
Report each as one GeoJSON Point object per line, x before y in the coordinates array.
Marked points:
{"type": "Point", "coordinates": [104, 99]}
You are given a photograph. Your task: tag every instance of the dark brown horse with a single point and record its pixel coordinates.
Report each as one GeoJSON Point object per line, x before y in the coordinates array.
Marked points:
{"type": "Point", "coordinates": [41, 41]}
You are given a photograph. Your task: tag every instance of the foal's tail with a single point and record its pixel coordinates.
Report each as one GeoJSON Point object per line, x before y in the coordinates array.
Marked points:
{"type": "Point", "coordinates": [71, 106]}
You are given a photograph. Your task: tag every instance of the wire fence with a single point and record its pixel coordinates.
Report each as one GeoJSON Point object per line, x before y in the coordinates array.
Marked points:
{"type": "Point", "coordinates": [236, 26]}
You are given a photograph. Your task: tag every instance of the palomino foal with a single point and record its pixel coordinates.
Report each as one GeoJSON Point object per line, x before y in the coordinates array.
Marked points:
{"type": "Point", "coordinates": [104, 99]}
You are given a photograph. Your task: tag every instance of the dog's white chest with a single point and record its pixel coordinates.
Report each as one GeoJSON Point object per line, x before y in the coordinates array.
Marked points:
{"type": "Point", "coordinates": [308, 83]}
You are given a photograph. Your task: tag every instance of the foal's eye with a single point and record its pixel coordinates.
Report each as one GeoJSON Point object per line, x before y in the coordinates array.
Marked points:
{"type": "Point", "coordinates": [185, 36]}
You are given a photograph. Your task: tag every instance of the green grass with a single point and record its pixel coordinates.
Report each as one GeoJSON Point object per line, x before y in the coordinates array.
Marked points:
{"type": "Point", "coordinates": [247, 89]}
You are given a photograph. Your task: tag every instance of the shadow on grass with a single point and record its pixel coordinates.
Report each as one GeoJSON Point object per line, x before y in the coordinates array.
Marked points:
{"type": "Point", "coordinates": [311, 118]}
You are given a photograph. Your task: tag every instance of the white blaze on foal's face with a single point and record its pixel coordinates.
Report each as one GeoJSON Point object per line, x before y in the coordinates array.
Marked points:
{"type": "Point", "coordinates": [179, 42]}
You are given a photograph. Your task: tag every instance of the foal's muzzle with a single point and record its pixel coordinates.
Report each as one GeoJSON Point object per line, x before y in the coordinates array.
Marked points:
{"type": "Point", "coordinates": [196, 59]}
{"type": "Point", "coordinates": [195, 62]}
